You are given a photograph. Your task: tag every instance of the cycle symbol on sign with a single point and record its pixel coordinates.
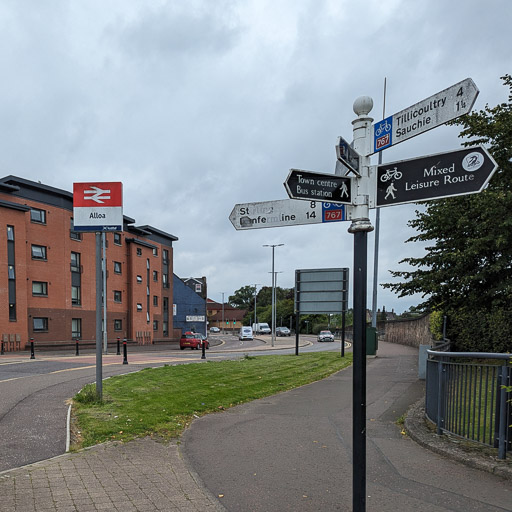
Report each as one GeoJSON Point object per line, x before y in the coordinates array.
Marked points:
{"type": "Point", "coordinates": [383, 128]}
{"type": "Point", "coordinates": [391, 174]}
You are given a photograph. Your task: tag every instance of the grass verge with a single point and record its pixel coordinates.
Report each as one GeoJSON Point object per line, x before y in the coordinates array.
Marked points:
{"type": "Point", "coordinates": [163, 401]}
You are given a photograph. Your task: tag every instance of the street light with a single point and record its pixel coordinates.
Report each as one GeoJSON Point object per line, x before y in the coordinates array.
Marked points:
{"type": "Point", "coordinates": [255, 296]}
{"type": "Point", "coordinates": [222, 312]}
{"type": "Point", "coordinates": [273, 291]}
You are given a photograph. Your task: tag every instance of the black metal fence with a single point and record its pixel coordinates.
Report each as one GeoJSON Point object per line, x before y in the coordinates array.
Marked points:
{"type": "Point", "coordinates": [467, 396]}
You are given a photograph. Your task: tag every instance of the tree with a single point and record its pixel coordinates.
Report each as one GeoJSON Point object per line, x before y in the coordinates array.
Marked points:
{"type": "Point", "coordinates": [243, 298]}
{"type": "Point", "coordinates": [467, 271]}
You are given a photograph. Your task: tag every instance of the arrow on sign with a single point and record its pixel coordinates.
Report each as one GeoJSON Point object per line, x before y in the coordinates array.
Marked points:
{"type": "Point", "coordinates": [314, 186]}
{"type": "Point", "coordinates": [456, 173]}
{"type": "Point", "coordinates": [434, 111]}
{"type": "Point", "coordinates": [97, 195]}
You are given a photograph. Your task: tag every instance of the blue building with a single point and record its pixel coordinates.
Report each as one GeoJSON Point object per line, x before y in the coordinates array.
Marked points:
{"type": "Point", "coordinates": [189, 308]}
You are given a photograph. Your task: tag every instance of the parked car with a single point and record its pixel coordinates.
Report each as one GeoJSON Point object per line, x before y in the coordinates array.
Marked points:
{"type": "Point", "coordinates": [282, 331]}
{"type": "Point", "coordinates": [193, 340]}
{"type": "Point", "coordinates": [245, 333]}
{"type": "Point", "coordinates": [214, 329]}
{"type": "Point", "coordinates": [325, 336]}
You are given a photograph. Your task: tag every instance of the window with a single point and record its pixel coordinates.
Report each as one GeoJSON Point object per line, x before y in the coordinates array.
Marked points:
{"type": "Point", "coordinates": [40, 324]}
{"type": "Point", "coordinates": [38, 252]}
{"type": "Point", "coordinates": [139, 279]}
{"type": "Point", "coordinates": [117, 296]}
{"type": "Point", "coordinates": [75, 296]}
{"type": "Point", "coordinates": [139, 251]}
{"type": "Point", "coordinates": [74, 235]}
{"type": "Point", "coordinates": [37, 215]}
{"type": "Point", "coordinates": [165, 281]}
{"type": "Point", "coordinates": [117, 238]}
{"type": "Point", "coordinates": [76, 328]}
{"type": "Point", "coordinates": [139, 306]}
{"type": "Point", "coordinates": [165, 327]}
{"type": "Point", "coordinates": [118, 325]}
{"type": "Point", "coordinates": [155, 251]}
{"type": "Point", "coordinates": [155, 325]}
{"type": "Point", "coordinates": [12, 311]}
{"type": "Point", "coordinates": [147, 317]}
{"type": "Point", "coordinates": [117, 267]}
{"type": "Point", "coordinates": [39, 288]}
{"type": "Point", "coordinates": [155, 275]}
{"type": "Point", "coordinates": [166, 256]}
{"type": "Point", "coordinates": [155, 300]}
{"type": "Point", "coordinates": [12, 274]}
{"type": "Point", "coordinates": [10, 233]}
{"type": "Point", "coordinates": [75, 262]}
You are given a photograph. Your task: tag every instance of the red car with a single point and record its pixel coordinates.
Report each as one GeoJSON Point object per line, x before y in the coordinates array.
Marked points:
{"type": "Point", "coordinates": [193, 340]}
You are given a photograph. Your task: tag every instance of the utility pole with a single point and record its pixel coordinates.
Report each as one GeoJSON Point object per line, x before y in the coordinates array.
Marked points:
{"type": "Point", "coordinates": [273, 294]}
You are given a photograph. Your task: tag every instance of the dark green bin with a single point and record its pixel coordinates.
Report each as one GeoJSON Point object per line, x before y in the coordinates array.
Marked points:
{"type": "Point", "coordinates": [372, 343]}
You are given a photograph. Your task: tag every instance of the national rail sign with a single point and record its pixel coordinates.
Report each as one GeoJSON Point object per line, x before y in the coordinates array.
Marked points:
{"type": "Point", "coordinates": [284, 212]}
{"type": "Point", "coordinates": [456, 173]}
{"type": "Point", "coordinates": [314, 186]}
{"type": "Point", "coordinates": [434, 111]}
{"type": "Point", "coordinates": [98, 206]}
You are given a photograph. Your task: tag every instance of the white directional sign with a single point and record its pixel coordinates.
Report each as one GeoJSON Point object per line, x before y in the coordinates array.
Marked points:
{"type": "Point", "coordinates": [98, 206]}
{"type": "Point", "coordinates": [284, 212]}
{"type": "Point", "coordinates": [457, 173]}
{"type": "Point", "coordinates": [440, 108]}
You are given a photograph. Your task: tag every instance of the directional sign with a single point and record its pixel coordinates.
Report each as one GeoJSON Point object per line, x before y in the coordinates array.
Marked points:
{"type": "Point", "coordinates": [314, 186]}
{"type": "Point", "coordinates": [98, 206]}
{"type": "Point", "coordinates": [348, 156]}
{"type": "Point", "coordinates": [457, 173]}
{"type": "Point", "coordinates": [440, 108]}
{"type": "Point", "coordinates": [284, 212]}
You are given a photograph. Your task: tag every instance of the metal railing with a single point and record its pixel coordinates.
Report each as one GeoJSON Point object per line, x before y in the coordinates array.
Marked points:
{"type": "Point", "coordinates": [469, 398]}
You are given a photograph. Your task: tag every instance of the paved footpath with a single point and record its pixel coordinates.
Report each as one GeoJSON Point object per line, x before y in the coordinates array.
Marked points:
{"type": "Point", "coordinates": [288, 452]}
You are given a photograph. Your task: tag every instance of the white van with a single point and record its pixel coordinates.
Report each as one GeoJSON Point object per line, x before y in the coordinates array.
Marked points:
{"type": "Point", "coordinates": [245, 334]}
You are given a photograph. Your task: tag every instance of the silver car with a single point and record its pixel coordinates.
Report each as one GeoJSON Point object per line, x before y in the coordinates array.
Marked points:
{"type": "Point", "coordinates": [325, 336]}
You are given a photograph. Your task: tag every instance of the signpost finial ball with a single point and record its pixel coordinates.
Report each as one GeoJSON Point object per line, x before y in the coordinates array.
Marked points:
{"type": "Point", "coordinates": [363, 105]}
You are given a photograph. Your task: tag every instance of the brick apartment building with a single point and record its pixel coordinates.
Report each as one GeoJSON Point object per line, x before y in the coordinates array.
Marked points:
{"type": "Point", "coordinates": [48, 273]}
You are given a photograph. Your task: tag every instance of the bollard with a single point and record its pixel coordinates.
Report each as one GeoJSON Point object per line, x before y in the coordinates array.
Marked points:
{"type": "Point", "coordinates": [32, 355]}
{"type": "Point", "coordinates": [77, 353]}
{"type": "Point", "coordinates": [118, 346]}
{"type": "Point", "coordinates": [125, 358]}
{"type": "Point", "coordinates": [203, 347]}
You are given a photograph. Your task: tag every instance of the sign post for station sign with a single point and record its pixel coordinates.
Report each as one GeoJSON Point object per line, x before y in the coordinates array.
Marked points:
{"type": "Point", "coordinates": [456, 173]}
{"type": "Point", "coordinates": [440, 108]}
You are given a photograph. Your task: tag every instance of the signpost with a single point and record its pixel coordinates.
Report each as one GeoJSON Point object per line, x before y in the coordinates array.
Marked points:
{"type": "Point", "coordinates": [285, 212]}
{"type": "Point", "coordinates": [466, 171]}
{"type": "Point", "coordinates": [440, 108]}
{"type": "Point", "coordinates": [314, 186]}
{"type": "Point", "coordinates": [98, 207]}
{"type": "Point", "coordinates": [456, 173]}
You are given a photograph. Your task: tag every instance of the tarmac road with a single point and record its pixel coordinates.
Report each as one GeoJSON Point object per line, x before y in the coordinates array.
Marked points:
{"type": "Point", "coordinates": [293, 451]}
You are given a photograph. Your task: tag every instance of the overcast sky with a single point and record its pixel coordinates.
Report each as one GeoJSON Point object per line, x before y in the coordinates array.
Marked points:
{"type": "Point", "coordinates": [198, 105]}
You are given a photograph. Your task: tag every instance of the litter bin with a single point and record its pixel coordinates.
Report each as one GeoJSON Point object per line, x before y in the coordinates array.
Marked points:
{"type": "Point", "coordinates": [371, 341]}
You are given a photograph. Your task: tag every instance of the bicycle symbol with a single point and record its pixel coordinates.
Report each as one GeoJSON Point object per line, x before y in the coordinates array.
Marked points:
{"type": "Point", "coordinates": [384, 127]}
{"type": "Point", "coordinates": [391, 174]}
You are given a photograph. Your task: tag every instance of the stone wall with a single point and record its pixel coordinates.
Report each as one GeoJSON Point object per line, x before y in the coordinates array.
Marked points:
{"type": "Point", "coordinates": [412, 332]}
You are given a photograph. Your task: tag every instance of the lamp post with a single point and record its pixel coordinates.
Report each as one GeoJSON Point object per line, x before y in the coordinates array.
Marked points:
{"type": "Point", "coordinates": [273, 291]}
{"type": "Point", "coordinates": [222, 312]}
{"type": "Point", "coordinates": [255, 296]}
